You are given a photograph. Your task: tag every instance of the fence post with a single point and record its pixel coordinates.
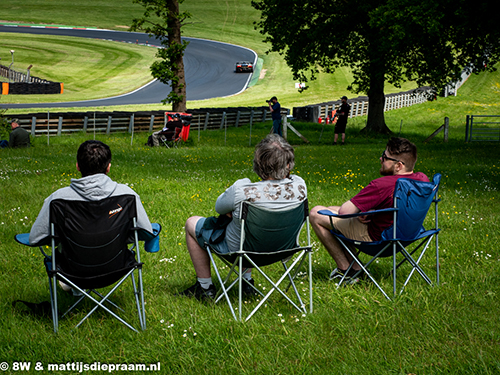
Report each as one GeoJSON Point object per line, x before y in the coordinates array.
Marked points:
{"type": "Point", "coordinates": [85, 123]}
{"type": "Point", "coordinates": [59, 125]}
{"type": "Point", "coordinates": [206, 121]}
{"type": "Point", "coordinates": [264, 115]}
{"type": "Point", "coordinates": [108, 129]}
{"type": "Point", "coordinates": [237, 119]}
{"type": "Point", "coordinates": [151, 123]}
{"type": "Point", "coordinates": [467, 121]}
{"type": "Point", "coordinates": [222, 120]}
{"type": "Point", "coordinates": [33, 125]}
{"type": "Point", "coordinates": [131, 124]}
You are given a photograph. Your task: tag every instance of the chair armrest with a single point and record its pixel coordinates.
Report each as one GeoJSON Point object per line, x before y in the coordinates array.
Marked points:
{"type": "Point", "coordinates": [347, 216]}
{"type": "Point", "coordinates": [151, 239]}
{"type": "Point", "coordinates": [24, 239]}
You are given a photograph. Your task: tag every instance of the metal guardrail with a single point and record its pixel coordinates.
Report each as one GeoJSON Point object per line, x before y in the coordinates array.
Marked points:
{"type": "Point", "coordinates": [477, 129]}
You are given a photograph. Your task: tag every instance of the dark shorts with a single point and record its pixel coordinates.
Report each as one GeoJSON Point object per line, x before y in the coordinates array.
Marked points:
{"type": "Point", "coordinates": [340, 127]}
{"type": "Point", "coordinates": [203, 236]}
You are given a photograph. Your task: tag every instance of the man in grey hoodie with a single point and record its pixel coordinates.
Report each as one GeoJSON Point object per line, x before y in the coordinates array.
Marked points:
{"type": "Point", "coordinates": [93, 162]}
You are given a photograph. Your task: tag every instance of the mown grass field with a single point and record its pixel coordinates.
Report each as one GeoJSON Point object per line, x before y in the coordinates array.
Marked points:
{"type": "Point", "coordinates": [451, 328]}
{"type": "Point", "coordinates": [230, 22]}
{"type": "Point", "coordinates": [448, 329]}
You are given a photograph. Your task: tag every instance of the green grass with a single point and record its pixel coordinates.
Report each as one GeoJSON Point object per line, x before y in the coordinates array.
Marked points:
{"type": "Point", "coordinates": [89, 69]}
{"type": "Point", "coordinates": [452, 328]}
{"type": "Point", "coordinates": [229, 21]}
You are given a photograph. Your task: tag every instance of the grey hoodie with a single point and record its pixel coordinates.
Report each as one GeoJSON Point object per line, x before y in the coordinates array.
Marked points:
{"type": "Point", "coordinates": [90, 188]}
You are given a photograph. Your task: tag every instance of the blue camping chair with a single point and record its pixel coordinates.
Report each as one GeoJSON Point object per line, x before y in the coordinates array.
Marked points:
{"type": "Point", "coordinates": [90, 250]}
{"type": "Point", "coordinates": [412, 201]}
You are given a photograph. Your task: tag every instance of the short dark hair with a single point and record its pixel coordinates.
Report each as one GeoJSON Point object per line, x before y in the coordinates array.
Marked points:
{"type": "Point", "coordinates": [403, 149]}
{"type": "Point", "coordinates": [274, 98]}
{"type": "Point", "coordinates": [274, 158]}
{"type": "Point", "coordinates": [93, 157]}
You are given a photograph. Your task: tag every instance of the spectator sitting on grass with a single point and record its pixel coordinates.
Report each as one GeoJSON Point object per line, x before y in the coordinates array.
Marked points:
{"type": "Point", "coordinates": [19, 137]}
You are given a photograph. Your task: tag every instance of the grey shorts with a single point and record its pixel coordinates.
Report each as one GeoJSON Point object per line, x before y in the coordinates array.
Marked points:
{"type": "Point", "coordinates": [203, 235]}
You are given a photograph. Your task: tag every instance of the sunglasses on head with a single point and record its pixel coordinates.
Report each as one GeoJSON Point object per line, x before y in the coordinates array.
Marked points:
{"type": "Point", "coordinates": [385, 157]}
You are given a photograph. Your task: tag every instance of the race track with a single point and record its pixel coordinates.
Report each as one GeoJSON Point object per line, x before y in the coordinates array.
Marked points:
{"type": "Point", "coordinates": [209, 68]}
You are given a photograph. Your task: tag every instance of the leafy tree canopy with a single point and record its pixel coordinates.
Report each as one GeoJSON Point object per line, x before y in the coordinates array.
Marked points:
{"type": "Point", "coordinates": [426, 41]}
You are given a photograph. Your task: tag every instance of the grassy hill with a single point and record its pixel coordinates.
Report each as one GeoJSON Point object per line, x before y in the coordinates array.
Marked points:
{"type": "Point", "coordinates": [229, 21]}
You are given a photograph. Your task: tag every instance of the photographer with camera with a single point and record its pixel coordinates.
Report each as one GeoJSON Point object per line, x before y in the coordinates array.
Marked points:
{"type": "Point", "coordinates": [275, 109]}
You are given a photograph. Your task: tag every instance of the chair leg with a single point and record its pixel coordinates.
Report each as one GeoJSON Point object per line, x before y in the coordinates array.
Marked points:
{"type": "Point", "coordinates": [275, 286]}
{"type": "Point", "coordinates": [53, 302]}
{"type": "Point", "coordinates": [363, 268]}
{"type": "Point", "coordinates": [101, 302]}
{"type": "Point", "coordinates": [139, 300]}
{"type": "Point", "coordinates": [222, 284]}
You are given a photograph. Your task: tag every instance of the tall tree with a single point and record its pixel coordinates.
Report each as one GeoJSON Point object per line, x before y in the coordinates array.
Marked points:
{"type": "Point", "coordinates": [163, 20]}
{"type": "Point", "coordinates": [426, 41]}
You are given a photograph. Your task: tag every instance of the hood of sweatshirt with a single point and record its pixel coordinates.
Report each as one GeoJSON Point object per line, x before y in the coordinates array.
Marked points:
{"type": "Point", "coordinates": [94, 187]}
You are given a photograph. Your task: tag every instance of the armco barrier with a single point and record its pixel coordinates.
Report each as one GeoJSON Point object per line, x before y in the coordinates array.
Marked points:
{"type": "Point", "coordinates": [203, 118]}
{"type": "Point", "coordinates": [25, 84]}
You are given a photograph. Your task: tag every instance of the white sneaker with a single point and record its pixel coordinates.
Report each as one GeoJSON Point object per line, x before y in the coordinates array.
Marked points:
{"type": "Point", "coordinates": [68, 289]}
{"type": "Point", "coordinates": [65, 287]}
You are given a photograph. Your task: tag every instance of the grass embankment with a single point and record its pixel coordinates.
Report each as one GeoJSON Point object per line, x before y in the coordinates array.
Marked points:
{"type": "Point", "coordinates": [230, 22]}
{"type": "Point", "coordinates": [452, 328]}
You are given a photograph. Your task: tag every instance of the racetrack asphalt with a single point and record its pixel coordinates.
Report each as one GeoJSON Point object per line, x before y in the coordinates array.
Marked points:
{"type": "Point", "coordinates": [209, 68]}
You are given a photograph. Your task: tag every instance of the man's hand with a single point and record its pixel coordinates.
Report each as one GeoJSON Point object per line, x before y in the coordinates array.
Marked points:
{"type": "Point", "coordinates": [364, 219]}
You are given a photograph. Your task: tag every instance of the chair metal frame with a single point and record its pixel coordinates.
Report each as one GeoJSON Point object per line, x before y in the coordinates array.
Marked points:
{"type": "Point", "coordinates": [240, 261]}
{"type": "Point", "coordinates": [394, 240]}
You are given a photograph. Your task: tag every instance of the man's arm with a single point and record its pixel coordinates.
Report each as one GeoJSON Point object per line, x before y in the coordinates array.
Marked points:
{"type": "Point", "coordinates": [348, 208]}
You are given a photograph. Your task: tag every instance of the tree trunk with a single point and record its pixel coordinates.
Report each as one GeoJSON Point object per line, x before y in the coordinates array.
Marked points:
{"type": "Point", "coordinates": [174, 37]}
{"type": "Point", "coordinates": [376, 103]}
{"type": "Point", "coordinates": [376, 98]}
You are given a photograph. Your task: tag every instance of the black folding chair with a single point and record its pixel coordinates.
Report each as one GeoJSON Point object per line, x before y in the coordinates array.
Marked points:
{"type": "Point", "coordinates": [90, 251]}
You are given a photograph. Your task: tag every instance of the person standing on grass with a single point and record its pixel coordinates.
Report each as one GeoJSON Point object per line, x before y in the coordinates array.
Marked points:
{"type": "Point", "coordinates": [273, 160]}
{"type": "Point", "coordinates": [275, 108]}
{"type": "Point", "coordinates": [343, 114]}
{"type": "Point", "coordinates": [397, 161]}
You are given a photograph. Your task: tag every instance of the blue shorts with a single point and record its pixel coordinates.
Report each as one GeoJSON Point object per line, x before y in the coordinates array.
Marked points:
{"type": "Point", "coordinates": [203, 235]}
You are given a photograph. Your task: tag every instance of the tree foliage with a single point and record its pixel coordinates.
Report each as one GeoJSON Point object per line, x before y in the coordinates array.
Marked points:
{"type": "Point", "coordinates": [163, 20]}
{"type": "Point", "coordinates": [426, 41]}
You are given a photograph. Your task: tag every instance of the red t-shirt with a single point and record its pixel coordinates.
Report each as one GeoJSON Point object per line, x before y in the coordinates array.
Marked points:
{"type": "Point", "coordinates": [379, 195]}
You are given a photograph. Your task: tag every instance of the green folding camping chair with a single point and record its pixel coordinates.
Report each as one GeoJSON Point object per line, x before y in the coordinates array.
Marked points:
{"type": "Point", "coordinates": [268, 236]}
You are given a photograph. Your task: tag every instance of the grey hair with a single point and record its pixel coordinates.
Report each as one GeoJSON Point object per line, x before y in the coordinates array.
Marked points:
{"type": "Point", "coordinates": [274, 158]}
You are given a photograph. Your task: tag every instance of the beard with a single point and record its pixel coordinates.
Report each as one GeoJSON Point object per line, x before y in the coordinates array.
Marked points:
{"type": "Point", "coordinates": [384, 171]}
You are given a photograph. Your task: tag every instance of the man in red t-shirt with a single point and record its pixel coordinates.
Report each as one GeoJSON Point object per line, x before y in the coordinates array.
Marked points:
{"type": "Point", "coordinates": [397, 161]}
